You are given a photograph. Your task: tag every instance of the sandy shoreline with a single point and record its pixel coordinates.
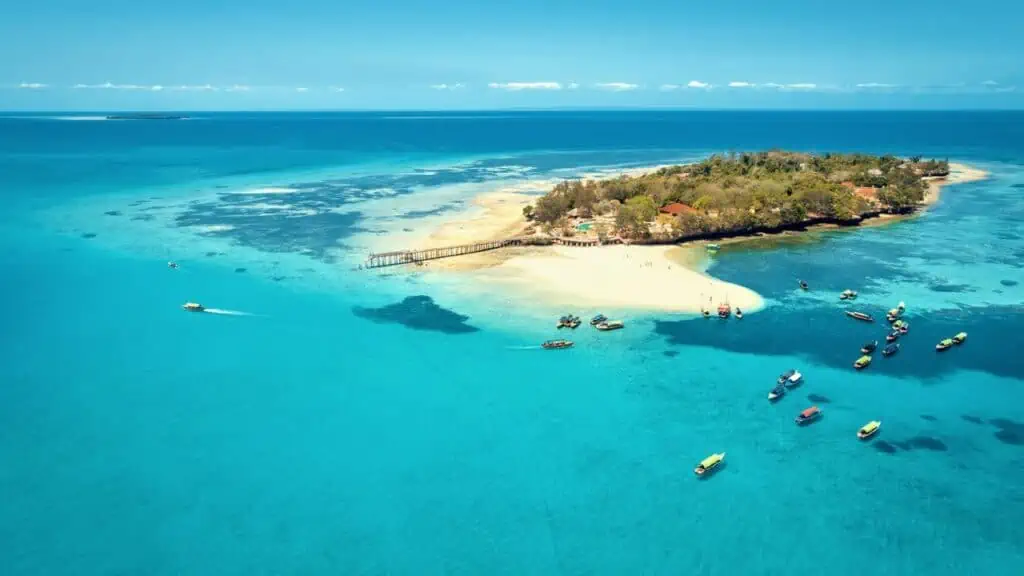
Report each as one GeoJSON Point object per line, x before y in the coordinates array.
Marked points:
{"type": "Point", "coordinates": [649, 278]}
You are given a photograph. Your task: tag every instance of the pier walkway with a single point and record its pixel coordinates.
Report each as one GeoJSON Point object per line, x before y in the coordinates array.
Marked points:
{"type": "Point", "coordinates": [415, 256]}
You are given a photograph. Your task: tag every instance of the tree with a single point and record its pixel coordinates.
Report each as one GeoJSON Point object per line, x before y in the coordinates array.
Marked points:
{"type": "Point", "coordinates": [635, 214]}
{"type": "Point", "coordinates": [528, 212]}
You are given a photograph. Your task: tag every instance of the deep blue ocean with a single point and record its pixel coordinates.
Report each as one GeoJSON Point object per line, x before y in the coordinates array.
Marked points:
{"type": "Point", "coordinates": [334, 421]}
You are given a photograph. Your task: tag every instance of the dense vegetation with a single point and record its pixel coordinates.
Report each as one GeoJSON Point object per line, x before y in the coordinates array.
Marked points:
{"type": "Point", "coordinates": [738, 192]}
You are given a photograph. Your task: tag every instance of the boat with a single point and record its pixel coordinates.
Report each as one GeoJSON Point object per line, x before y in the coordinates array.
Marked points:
{"type": "Point", "coordinates": [944, 345]}
{"type": "Point", "coordinates": [795, 379]}
{"type": "Point", "coordinates": [848, 295]}
{"type": "Point", "coordinates": [706, 313]}
{"type": "Point", "coordinates": [862, 362]}
{"type": "Point", "coordinates": [893, 336]}
{"type": "Point", "coordinates": [708, 465]}
{"type": "Point", "coordinates": [172, 265]}
{"type": "Point", "coordinates": [785, 376]}
{"type": "Point", "coordinates": [890, 349]}
{"type": "Point", "coordinates": [959, 338]}
{"type": "Point", "coordinates": [569, 321]}
{"type": "Point", "coordinates": [893, 315]}
{"type": "Point", "coordinates": [860, 316]}
{"type": "Point", "coordinates": [610, 325]}
{"type": "Point", "coordinates": [803, 285]}
{"type": "Point", "coordinates": [809, 415]}
{"type": "Point", "coordinates": [713, 247]}
{"type": "Point", "coordinates": [778, 392]}
{"type": "Point", "coordinates": [598, 319]}
{"type": "Point", "coordinates": [739, 314]}
{"type": "Point", "coordinates": [556, 344]}
{"type": "Point", "coordinates": [904, 327]}
{"type": "Point", "coordinates": [193, 307]}
{"type": "Point", "coordinates": [868, 430]}
{"type": "Point", "coordinates": [869, 347]}
{"type": "Point", "coordinates": [724, 310]}
{"type": "Point", "coordinates": [901, 307]}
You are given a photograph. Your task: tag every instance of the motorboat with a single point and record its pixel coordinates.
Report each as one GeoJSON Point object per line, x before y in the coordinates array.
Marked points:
{"type": "Point", "coordinates": [848, 295]}
{"type": "Point", "coordinates": [809, 415]}
{"type": "Point", "coordinates": [610, 325]}
{"type": "Point", "coordinates": [785, 376]}
{"type": "Point", "coordinates": [944, 345]}
{"type": "Point", "coordinates": [795, 379]}
{"type": "Point", "coordinates": [862, 362]}
{"type": "Point", "coordinates": [869, 347]}
{"type": "Point", "coordinates": [890, 349]}
{"type": "Point", "coordinates": [901, 307]}
{"type": "Point", "coordinates": [707, 314]}
{"type": "Point", "coordinates": [598, 319]}
{"type": "Point", "coordinates": [904, 328]}
{"type": "Point", "coordinates": [708, 465]}
{"type": "Point", "coordinates": [193, 307]}
{"type": "Point", "coordinates": [739, 314]}
{"type": "Point", "coordinates": [959, 338]}
{"type": "Point", "coordinates": [893, 336]}
{"type": "Point", "coordinates": [569, 321]}
{"type": "Point", "coordinates": [556, 344]}
{"type": "Point", "coordinates": [172, 265]}
{"type": "Point", "coordinates": [870, 429]}
{"type": "Point", "coordinates": [893, 314]}
{"type": "Point", "coordinates": [778, 392]}
{"type": "Point", "coordinates": [860, 316]}
{"type": "Point", "coordinates": [803, 285]}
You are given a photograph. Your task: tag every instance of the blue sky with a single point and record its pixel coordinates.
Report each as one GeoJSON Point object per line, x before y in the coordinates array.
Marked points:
{"type": "Point", "coordinates": [323, 54]}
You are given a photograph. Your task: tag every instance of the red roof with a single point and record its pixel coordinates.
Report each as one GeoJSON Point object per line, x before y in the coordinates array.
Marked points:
{"type": "Point", "coordinates": [677, 208]}
{"type": "Point", "coordinates": [866, 192]}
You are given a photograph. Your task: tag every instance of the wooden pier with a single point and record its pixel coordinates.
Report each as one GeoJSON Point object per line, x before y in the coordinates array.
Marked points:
{"type": "Point", "coordinates": [416, 256]}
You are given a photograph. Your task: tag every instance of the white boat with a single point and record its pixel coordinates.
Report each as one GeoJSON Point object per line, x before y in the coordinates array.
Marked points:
{"type": "Point", "coordinates": [193, 307]}
{"type": "Point", "coordinates": [795, 379]}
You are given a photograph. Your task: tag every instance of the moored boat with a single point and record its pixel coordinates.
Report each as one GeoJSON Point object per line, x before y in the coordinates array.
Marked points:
{"type": "Point", "coordinates": [904, 328]}
{"type": "Point", "coordinates": [869, 347]}
{"type": "Point", "coordinates": [795, 379]}
{"type": "Point", "coordinates": [556, 344]}
{"type": "Point", "coordinates": [193, 307]}
{"type": "Point", "coordinates": [803, 285]}
{"type": "Point", "coordinates": [778, 392]}
{"type": "Point", "coordinates": [568, 321]}
{"type": "Point", "coordinates": [944, 345]}
{"type": "Point", "coordinates": [893, 336]}
{"type": "Point", "coordinates": [610, 325]}
{"type": "Point", "coordinates": [862, 362]}
{"type": "Point", "coordinates": [860, 316]}
{"type": "Point", "coordinates": [598, 319]}
{"type": "Point", "coordinates": [890, 349]}
{"type": "Point", "coordinates": [868, 430]}
{"type": "Point", "coordinates": [809, 415]}
{"type": "Point", "coordinates": [724, 310]}
{"type": "Point", "coordinates": [708, 465]}
{"type": "Point", "coordinates": [706, 313]}
{"type": "Point", "coordinates": [848, 295]}
{"type": "Point", "coordinates": [785, 376]}
{"type": "Point", "coordinates": [713, 247]}
{"type": "Point", "coordinates": [959, 338]}
{"type": "Point", "coordinates": [172, 265]}
{"type": "Point", "coordinates": [739, 314]}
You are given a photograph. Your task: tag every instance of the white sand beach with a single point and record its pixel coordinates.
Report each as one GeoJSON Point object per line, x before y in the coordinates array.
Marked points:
{"type": "Point", "coordinates": [958, 174]}
{"type": "Point", "coordinates": [652, 278]}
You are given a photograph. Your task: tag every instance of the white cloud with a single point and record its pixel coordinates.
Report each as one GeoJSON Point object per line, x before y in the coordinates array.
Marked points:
{"type": "Point", "coordinates": [112, 86]}
{"type": "Point", "coordinates": [669, 87]}
{"type": "Point", "coordinates": [616, 86]}
{"type": "Point", "coordinates": [875, 85]}
{"type": "Point", "coordinates": [238, 88]}
{"type": "Point", "coordinates": [772, 85]}
{"type": "Point", "coordinates": [302, 89]}
{"type": "Point", "coordinates": [990, 83]}
{"type": "Point", "coordinates": [802, 86]}
{"type": "Point", "coordinates": [337, 89]}
{"type": "Point", "coordinates": [516, 86]}
{"type": "Point", "coordinates": [698, 84]}
{"type": "Point", "coordinates": [455, 86]}
{"type": "Point", "coordinates": [741, 85]}
{"type": "Point", "coordinates": [195, 88]}
{"type": "Point", "coordinates": [572, 86]}
{"type": "Point", "coordinates": [32, 86]}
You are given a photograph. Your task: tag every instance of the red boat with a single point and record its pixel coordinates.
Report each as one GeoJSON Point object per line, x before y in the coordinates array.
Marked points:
{"type": "Point", "coordinates": [724, 310]}
{"type": "Point", "coordinates": [809, 415]}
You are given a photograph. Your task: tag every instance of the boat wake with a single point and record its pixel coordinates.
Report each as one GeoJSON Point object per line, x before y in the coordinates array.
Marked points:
{"type": "Point", "coordinates": [523, 348]}
{"type": "Point", "coordinates": [226, 312]}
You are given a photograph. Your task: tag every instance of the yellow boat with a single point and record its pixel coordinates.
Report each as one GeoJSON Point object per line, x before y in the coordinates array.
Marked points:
{"type": "Point", "coordinates": [868, 430]}
{"type": "Point", "coordinates": [862, 362]}
{"type": "Point", "coordinates": [709, 464]}
{"type": "Point", "coordinates": [959, 338]}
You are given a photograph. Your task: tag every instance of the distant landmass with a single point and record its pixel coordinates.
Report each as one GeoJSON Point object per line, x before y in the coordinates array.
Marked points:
{"type": "Point", "coordinates": [146, 117]}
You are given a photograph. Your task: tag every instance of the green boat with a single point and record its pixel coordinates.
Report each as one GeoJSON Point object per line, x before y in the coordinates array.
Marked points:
{"type": "Point", "coordinates": [862, 362]}
{"type": "Point", "coordinates": [944, 345]}
{"type": "Point", "coordinates": [959, 338]}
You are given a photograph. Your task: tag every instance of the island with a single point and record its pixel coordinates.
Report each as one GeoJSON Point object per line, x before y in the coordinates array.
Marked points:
{"type": "Point", "coordinates": [736, 195]}
{"type": "Point", "coordinates": [146, 117]}
{"type": "Point", "coordinates": [636, 241]}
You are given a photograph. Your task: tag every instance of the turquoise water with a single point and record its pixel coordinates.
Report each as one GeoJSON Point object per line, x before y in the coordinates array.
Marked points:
{"type": "Point", "coordinates": [348, 426]}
